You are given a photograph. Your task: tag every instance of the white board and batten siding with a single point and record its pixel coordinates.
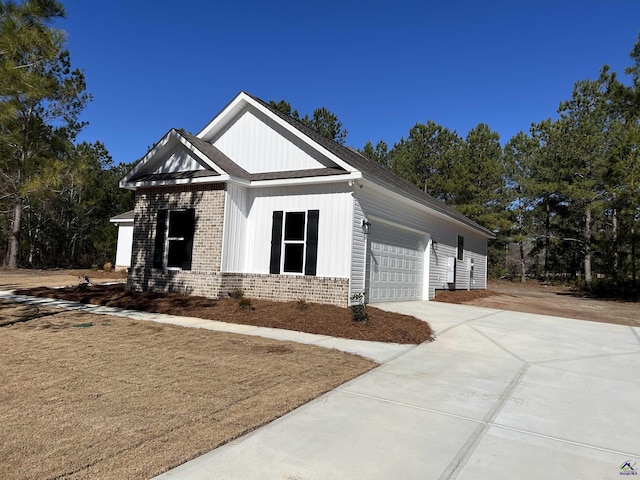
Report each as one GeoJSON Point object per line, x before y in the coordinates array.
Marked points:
{"type": "Point", "coordinates": [249, 214]}
{"type": "Point", "coordinates": [234, 235]}
{"type": "Point", "coordinates": [258, 145]}
{"type": "Point", "coordinates": [181, 160]}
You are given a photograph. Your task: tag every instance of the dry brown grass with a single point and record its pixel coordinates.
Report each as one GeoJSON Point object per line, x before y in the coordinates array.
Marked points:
{"type": "Point", "coordinates": [92, 396]}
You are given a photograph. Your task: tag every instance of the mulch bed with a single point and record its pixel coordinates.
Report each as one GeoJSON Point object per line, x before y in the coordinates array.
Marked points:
{"type": "Point", "coordinates": [382, 326]}
{"type": "Point", "coordinates": [462, 296]}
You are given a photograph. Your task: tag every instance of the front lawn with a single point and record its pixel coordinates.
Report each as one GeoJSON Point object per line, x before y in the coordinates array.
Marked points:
{"type": "Point", "coordinates": [93, 396]}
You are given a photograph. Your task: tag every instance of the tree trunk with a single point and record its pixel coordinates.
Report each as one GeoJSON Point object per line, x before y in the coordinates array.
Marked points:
{"type": "Point", "coordinates": [11, 260]}
{"type": "Point", "coordinates": [523, 266]}
{"type": "Point", "coordinates": [614, 238]}
{"type": "Point", "coordinates": [587, 245]}
{"type": "Point", "coordinates": [547, 243]}
{"type": "Point", "coordinates": [633, 260]}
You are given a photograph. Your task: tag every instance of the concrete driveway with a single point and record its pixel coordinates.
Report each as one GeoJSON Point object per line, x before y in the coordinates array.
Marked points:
{"type": "Point", "coordinates": [499, 395]}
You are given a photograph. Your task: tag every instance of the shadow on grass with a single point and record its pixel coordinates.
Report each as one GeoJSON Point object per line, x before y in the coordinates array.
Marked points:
{"type": "Point", "coordinates": [12, 313]}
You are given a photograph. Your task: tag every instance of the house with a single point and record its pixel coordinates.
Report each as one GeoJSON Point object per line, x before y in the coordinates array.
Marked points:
{"type": "Point", "coordinates": [124, 222]}
{"type": "Point", "coordinates": [258, 201]}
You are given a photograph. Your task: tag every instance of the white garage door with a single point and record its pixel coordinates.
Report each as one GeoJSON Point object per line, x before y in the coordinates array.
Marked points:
{"type": "Point", "coordinates": [396, 262]}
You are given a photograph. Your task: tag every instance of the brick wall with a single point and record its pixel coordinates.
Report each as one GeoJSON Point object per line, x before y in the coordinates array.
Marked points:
{"type": "Point", "coordinates": [330, 290]}
{"type": "Point", "coordinates": [202, 279]}
{"type": "Point", "coordinates": [205, 278]}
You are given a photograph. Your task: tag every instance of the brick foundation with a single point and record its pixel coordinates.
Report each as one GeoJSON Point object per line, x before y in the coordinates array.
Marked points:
{"type": "Point", "coordinates": [329, 290]}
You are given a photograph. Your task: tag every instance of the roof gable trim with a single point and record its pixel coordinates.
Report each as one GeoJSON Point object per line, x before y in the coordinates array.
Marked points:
{"type": "Point", "coordinates": [240, 102]}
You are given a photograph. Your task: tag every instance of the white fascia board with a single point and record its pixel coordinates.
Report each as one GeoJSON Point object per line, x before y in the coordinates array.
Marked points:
{"type": "Point", "coordinates": [165, 143]}
{"type": "Point", "coordinates": [409, 201]}
{"type": "Point", "coordinates": [147, 158]}
{"type": "Point", "coordinates": [170, 182]}
{"type": "Point", "coordinates": [229, 111]}
{"type": "Point", "coordinates": [125, 221]}
{"type": "Point", "coordinates": [285, 182]}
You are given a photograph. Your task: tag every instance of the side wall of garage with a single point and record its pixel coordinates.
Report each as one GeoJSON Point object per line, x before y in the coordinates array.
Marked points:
{"type": "Point", "coordinates": [445, 246]}
{"type": "Point", "coordinates": [389, 219]}
{"type": "Point", "coordinates": [443, 233]}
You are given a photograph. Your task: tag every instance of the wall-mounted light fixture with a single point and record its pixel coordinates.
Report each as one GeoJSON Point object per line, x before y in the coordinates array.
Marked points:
{"type": "Point", "coordinates": [366, 227]}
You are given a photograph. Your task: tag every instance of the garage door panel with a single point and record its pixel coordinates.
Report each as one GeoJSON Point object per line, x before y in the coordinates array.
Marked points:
{"type": "Point", "coordinates": [396, 269]}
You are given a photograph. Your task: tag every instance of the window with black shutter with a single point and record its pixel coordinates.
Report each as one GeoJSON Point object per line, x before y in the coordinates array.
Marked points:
{"type": "Point", "coordinates": [174, 239]}
{"type": "Point", "coordinates": [294, 242]}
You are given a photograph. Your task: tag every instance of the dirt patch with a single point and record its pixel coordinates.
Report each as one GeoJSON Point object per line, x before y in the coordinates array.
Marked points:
{"type": "Point", "coordinates": [544, 299]}
{"type": "Point", "coordinates": [303, 317]}
{"type": "Point", "coordinates": [93, 396]}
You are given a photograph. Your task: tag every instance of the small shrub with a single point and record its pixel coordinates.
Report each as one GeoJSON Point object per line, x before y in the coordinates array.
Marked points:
{"type": "Point", "coordinates": [94, 267]}
{"type": "Point", "coordinates": [244, 304]}
{"type": "Point", "coordinates": [237, 293]}
{"type": "Point", "coordinates": [359, 308]}
{"type": "Point", "coordinates": [84, 283]}
{"type": "Point", "coordinates": [107, 267]}
{"type": "Point", "coordinates": [302, 304]}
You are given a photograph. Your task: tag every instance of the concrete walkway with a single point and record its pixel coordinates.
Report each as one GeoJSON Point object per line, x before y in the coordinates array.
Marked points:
{"type": "Point", "coordinates": [499, 395]}
{"type": "Point", "coordinates": [377, 351]}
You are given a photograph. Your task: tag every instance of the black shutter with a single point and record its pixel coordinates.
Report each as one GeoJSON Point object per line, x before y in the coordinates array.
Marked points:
{"type": "Point", "coordinates": [161, 228]}
{"type": "Point", "coordinates": [190, 225]}
{"type": "Point", "coordinates": [312, 242]}
{"type": "Point", "coordinates": [276, 242]}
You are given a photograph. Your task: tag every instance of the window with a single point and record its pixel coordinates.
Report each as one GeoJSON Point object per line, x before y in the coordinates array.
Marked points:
{"type": "Point", "coordinates": [294, 242]}
{"type": "Point", "coordinates": [460, 247]}
{"type": "Point", "coordinates": [174, 239]}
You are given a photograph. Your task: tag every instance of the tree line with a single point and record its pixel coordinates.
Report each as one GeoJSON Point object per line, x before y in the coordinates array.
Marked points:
{"type": "Point", "coordinates": [56, 195]}
{"type": "Point", "coordinates": [563, 199]}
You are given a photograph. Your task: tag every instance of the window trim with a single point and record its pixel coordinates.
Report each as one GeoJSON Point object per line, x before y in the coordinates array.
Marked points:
{"type": "Point", "coordinates": [302, 242]}
{"type": "Point", "coordinates": [163, 239]}
{"type": "Point", "coordinates": [310, 244]}
{"type": "Point", "coordinates": [168, 239]}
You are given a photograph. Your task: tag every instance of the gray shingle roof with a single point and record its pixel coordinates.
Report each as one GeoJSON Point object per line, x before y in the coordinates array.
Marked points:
{"type": "Point", "coordinates": [126, 216]}
{"type": "Point", "coordinates": [216, 156]}
{"type": "Point", "coordinates": [367, 167]}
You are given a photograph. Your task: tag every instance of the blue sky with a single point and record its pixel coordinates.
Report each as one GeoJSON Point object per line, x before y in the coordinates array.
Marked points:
{"type": "Point", "coordinates": [380, 65]}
